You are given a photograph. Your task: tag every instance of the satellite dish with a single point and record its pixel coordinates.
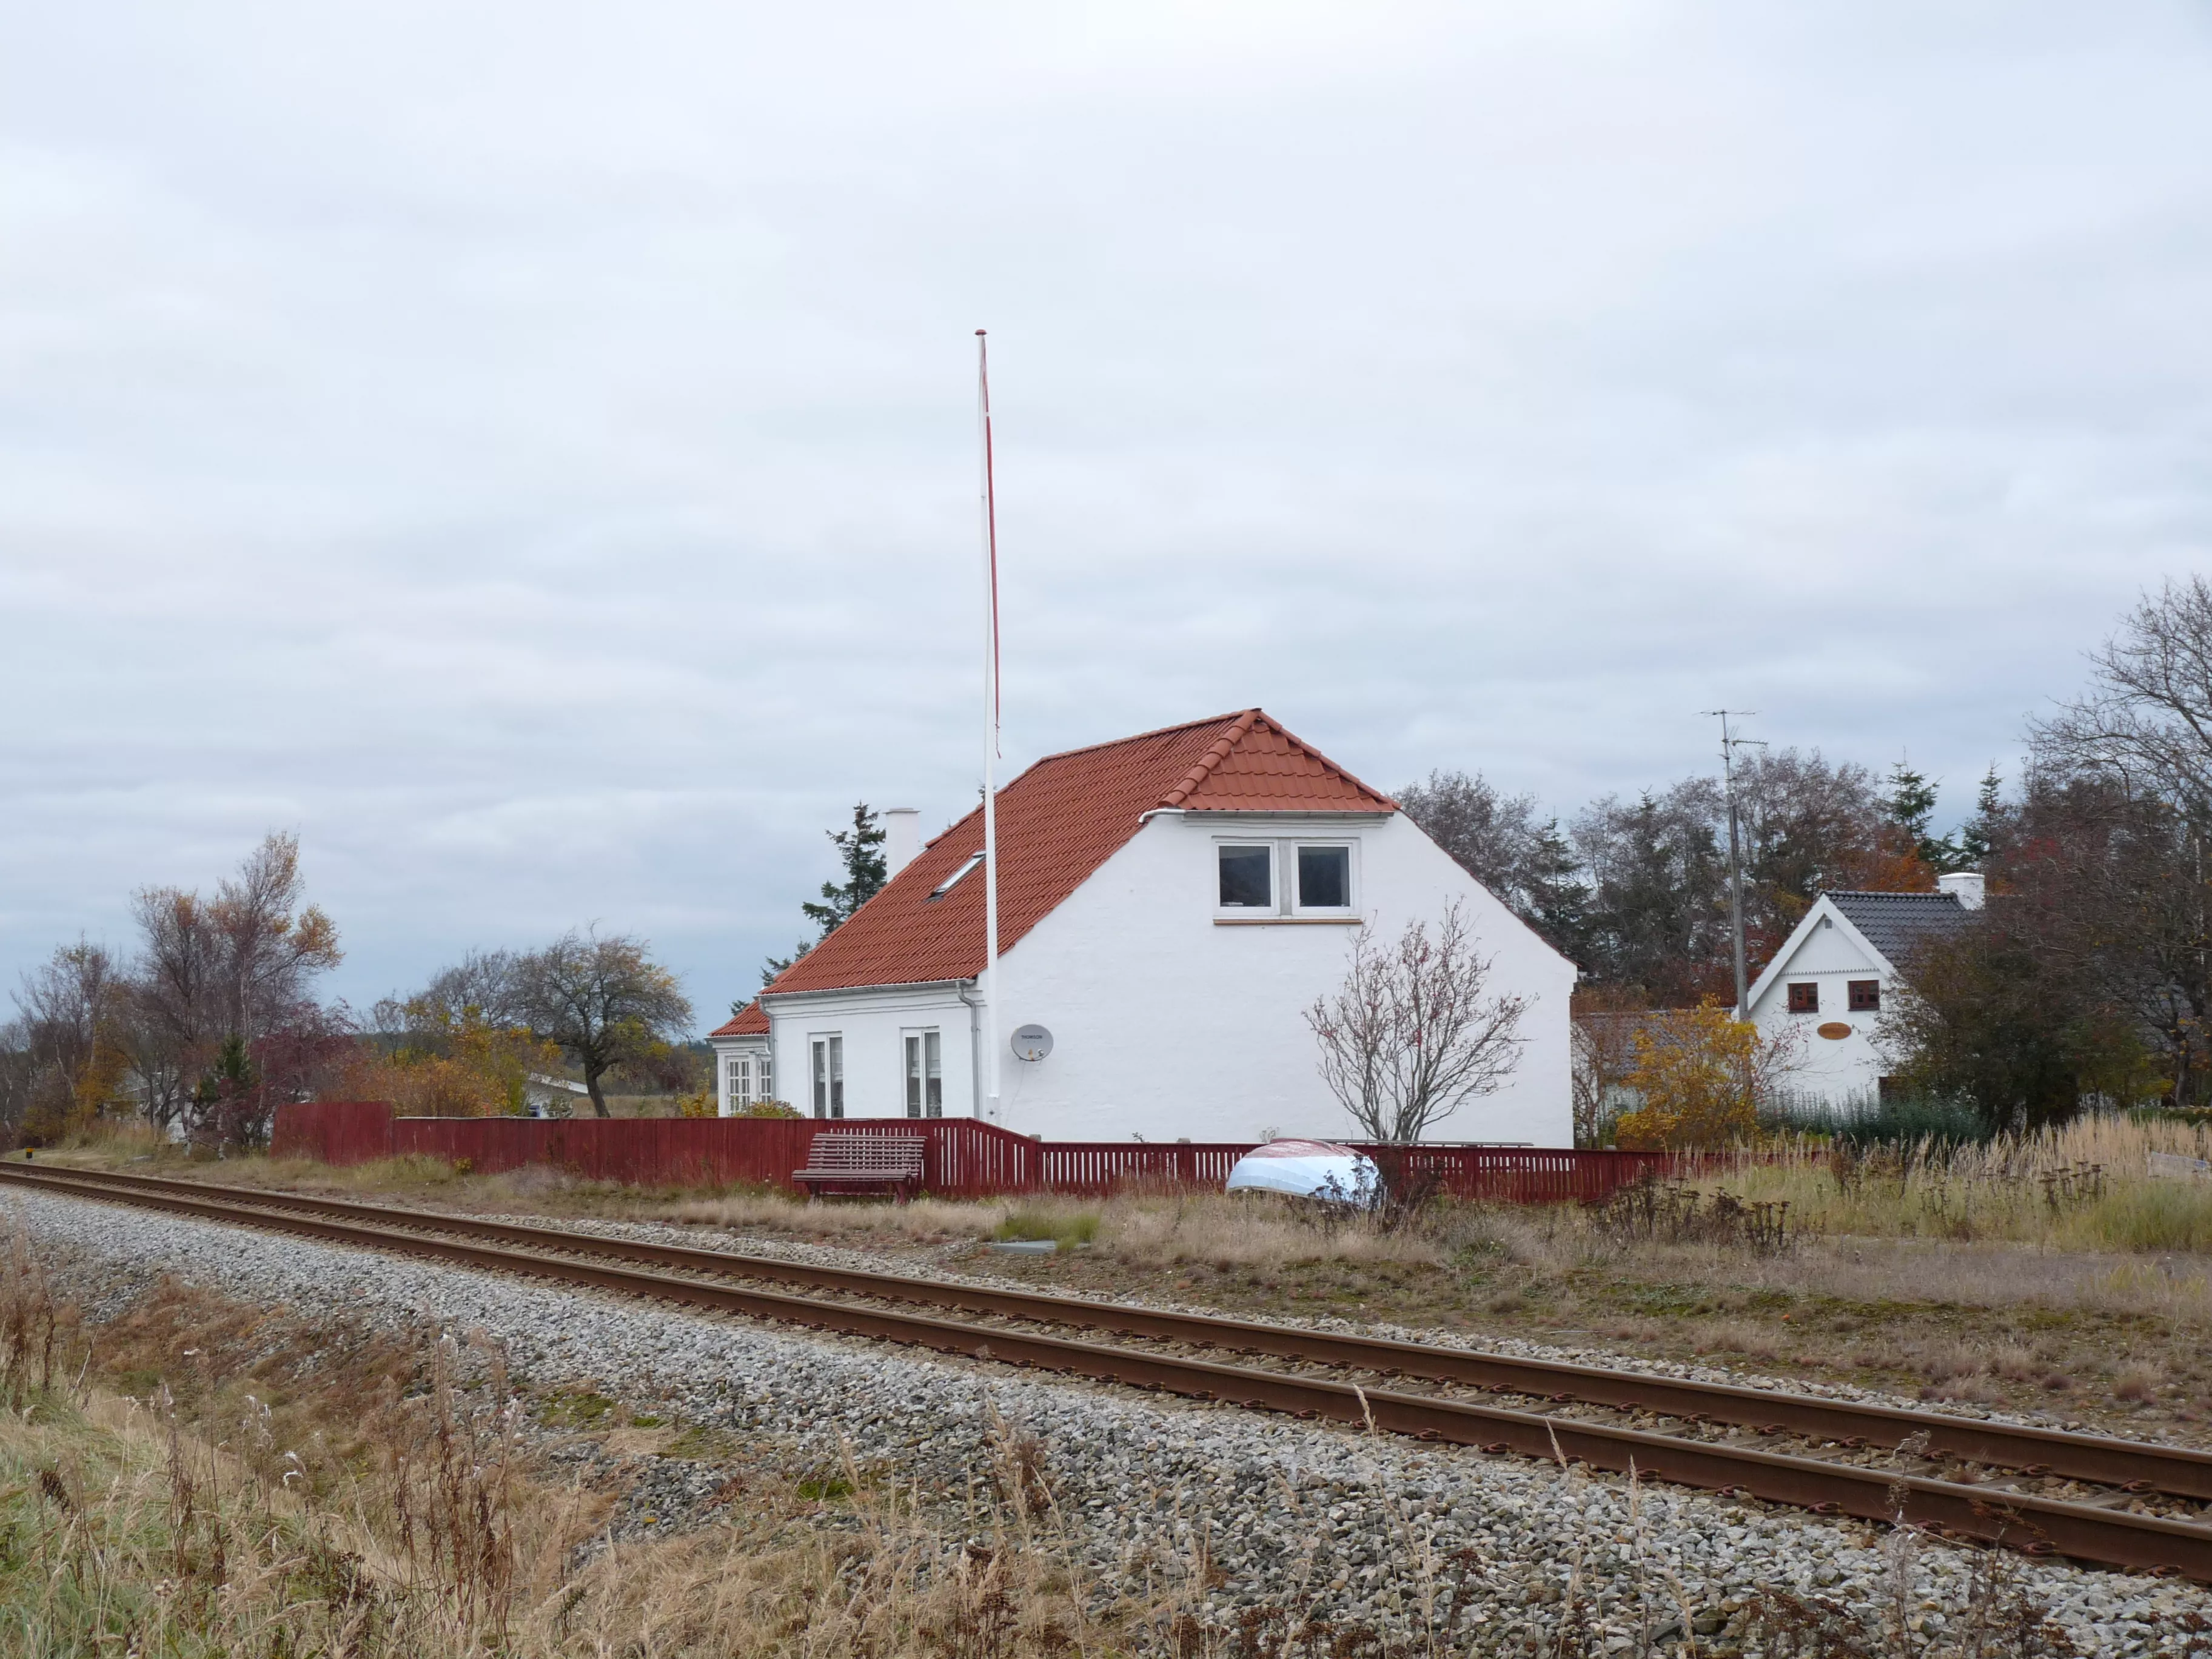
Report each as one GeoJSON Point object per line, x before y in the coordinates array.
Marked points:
{"type": "Point", "coordinates": [1031, 1042]}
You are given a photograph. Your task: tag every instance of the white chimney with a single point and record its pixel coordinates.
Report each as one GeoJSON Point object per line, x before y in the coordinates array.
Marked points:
{"type": "Point", "coordinates": [901, 837]}
{"type": "Point", "coordinates": [1964, 885]}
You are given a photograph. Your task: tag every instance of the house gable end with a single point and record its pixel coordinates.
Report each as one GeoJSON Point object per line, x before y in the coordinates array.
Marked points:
{"type": "Point", "coordinates": [1786, 960]}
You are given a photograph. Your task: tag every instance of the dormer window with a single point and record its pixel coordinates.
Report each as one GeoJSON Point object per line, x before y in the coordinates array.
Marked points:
{"type": "Point", "coordinates": [1324, 878]}
{"type": "Point", "coordinates": [1286, 880]}
{"type": "Point", "coordinates": [1248, 877]}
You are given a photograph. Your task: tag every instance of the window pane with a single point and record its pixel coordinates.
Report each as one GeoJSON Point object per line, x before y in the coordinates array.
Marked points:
{"type": "Point", "coordinates": [913, 1077]}
{"type": "Point", "coordinates": [1245, 878]}
{"type": "Point", "coordinates": [767, 1086]}
{"type": "Point", "coordinates": [1805, 998]}
{"type": "Point", "coordinates": [1324, 877]}
{"type": "Point", "coordinates": [837, 1076]}
{"type": "Point", "coordinates": [821, 1077]}
{"type": "Point", "coordinates": [935, 1073]}
{"type": "Point", "coordinates": [1866, 996]}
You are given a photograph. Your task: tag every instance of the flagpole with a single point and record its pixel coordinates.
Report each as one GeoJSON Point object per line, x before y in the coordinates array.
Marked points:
{"type": "Point", "coordinates": [990, 1078]}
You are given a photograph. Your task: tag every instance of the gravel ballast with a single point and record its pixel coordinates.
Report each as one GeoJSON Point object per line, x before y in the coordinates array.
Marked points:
{"type": "Point", "coordinates": [1332, 1522]}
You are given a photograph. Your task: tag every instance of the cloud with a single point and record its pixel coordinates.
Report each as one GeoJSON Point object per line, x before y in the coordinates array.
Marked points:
{"type": "Point", "coordinates": [529, 449]}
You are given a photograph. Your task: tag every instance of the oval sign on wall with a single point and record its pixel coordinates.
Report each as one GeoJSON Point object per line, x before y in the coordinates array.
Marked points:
{"type": "Point", "coordinates": [1835, 1028]}
{"type": "Point", "coordinates": [1032, 1042]}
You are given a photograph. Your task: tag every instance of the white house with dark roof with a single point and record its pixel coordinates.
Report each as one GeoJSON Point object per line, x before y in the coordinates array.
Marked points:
{"type": "Point", "coordinates": [1832, 975]}
{"type": "Point", "coordinates": [1169, 906]}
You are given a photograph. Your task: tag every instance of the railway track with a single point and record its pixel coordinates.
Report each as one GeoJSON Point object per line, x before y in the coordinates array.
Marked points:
{"type": "Point", "coordinates": [1850, 1478]}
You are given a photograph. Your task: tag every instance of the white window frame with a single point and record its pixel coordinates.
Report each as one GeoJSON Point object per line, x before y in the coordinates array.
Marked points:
{"type": "Point", "coordinates": [825, 1074]}
{"type": "Point", "coordinates": [1289, 860]}
{"type": "Point", "coordinates": [737, 1082]}
{"type": "Point", "coordinates": [922, 1062]}
{"type": "Point", "coordinates": [1245, 843]}
{"type": "Point", "coordinates": [1283, 877]}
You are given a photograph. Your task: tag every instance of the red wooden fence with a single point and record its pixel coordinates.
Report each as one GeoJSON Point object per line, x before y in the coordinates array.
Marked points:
{"type": "Point", "coordinates": [962, 1158]}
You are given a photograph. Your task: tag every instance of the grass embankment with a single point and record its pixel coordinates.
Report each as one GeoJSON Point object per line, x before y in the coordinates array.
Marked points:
{"type": "Point", "coordinates": [283, 1489]}
{"type": "Point", "coordinates": [2055, 1272]}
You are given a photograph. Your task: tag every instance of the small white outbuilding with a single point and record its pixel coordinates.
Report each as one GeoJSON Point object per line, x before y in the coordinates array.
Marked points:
{"type": "Point", "coordinates": [1169, 906]}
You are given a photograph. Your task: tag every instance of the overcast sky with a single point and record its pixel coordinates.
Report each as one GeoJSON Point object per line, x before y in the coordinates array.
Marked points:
{"type": "Point", "coordinates": [528, 449]}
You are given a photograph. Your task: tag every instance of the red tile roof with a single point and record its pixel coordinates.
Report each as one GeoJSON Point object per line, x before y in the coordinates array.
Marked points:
{"type": "Point", "coordinates": [752, 1020]}
{"type": "Point", "coordinates": [1058, 822]}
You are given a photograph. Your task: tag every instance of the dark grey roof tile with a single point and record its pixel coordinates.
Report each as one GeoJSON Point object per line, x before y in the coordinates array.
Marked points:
{"type": "Point", "coordinates": [1897, 924]}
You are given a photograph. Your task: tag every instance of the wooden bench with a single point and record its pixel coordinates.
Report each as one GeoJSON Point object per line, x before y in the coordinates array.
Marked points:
{"type": "Point", "coordinates": [862, 1164]}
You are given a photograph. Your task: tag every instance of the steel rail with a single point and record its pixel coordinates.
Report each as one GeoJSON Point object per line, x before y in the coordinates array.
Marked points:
{"type": "Point", "coordinates": [2039, 1525]}
{"type": "Point", "coordinates": [2101, 1460]}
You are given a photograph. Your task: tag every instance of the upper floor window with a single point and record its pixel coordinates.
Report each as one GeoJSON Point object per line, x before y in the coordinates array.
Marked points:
{"type": "Point", "coordinates": [1865, 995]}
{"type": "Point", "coordinates": [1804, 996]}
{"type": "Point", "coordinates": [1247, 877]}
{"type": "Point", "coordinates": [1324, 877]}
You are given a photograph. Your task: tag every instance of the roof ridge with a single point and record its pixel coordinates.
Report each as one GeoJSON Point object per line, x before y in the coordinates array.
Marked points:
{"type": "Point", "coordinates": [1138, 737]}
{"type": "Point", "coordinates": [1223, 747]}
{"type": "Point", "coordinates": [1878, 892]}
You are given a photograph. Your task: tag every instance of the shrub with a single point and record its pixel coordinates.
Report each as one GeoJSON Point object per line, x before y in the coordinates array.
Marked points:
{"type": "Point", "coordinates": [1701, 1074]}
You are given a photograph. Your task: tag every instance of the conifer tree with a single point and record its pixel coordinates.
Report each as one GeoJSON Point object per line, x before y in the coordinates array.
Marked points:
{"type": "Point", "coordinates": [861, 849]}
{"type": "Point", "coordinates": [1977, 836]}
{"type": "Point", "coordinates": [1911, 804]}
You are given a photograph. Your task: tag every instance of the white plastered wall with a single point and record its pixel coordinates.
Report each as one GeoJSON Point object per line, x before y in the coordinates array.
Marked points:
{"type": "Point", "coordinates": [1827, 951]}
{"type": "Point", "coordinates": [873, 1024]}
{"type": "Point", "coordinates": [1170, 1026]}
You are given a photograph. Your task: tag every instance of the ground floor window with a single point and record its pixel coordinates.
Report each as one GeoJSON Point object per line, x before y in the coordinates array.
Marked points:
{"type": "Point", "coordinates": [747, 1079]}
{"type": "Point", "coordinates": [828, 1075]}
{"type": "Point", "coordinates": [925, 1074]}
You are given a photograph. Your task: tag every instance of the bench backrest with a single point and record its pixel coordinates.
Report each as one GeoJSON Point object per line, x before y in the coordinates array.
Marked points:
{"type": "Point", "coordinates": [868, 1154]}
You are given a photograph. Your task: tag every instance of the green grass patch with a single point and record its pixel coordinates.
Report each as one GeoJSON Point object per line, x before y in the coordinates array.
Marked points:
{"type": "Point", "coordinates": [581, 1409]}
{"type": "Point", "coordinates": [1065, 1229]}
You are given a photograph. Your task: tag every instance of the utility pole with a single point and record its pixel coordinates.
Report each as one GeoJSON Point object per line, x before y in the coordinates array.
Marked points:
{"type": "Point", "coordinates": [1729, 744]}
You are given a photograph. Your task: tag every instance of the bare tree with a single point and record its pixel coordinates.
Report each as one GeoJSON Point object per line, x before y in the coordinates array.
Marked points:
{"type": "Point", "coordinates": [174, 1029]}
{"type": "Point", "coordinates": [1501, 841]}
{"type": "Point", "coordinates": [240, 965]}
{"type": "Point", "coordinates": [73, 1058]}
{"type": "Point", "coordinates": [603, 1000]}
{"type": "Point", "coordinates": [2147, 719]}
{"type": "Point", "coordinates": [1411, 1034]}
{"type": "Point", "coordinates": [483, 985]}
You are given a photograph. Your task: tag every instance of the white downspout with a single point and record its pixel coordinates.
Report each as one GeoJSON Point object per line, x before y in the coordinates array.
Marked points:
{"type": "Point", "coordinates": [975, 1051]}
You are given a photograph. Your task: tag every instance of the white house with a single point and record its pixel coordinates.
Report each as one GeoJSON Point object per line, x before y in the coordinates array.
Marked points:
{"type": "Point", "coordinates": [1170, 905]}
{"type": "Point", "coordinates": [1830, 976]}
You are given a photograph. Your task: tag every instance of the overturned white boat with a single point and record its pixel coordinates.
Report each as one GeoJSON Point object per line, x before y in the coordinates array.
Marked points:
{"type": "Point", "coordinates": [1308, 1169]}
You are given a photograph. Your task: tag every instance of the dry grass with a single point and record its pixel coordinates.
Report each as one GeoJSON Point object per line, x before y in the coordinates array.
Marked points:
{"type": "Point", "coordinates": [305, 1489]}
{"type": "Point", "coordinates": [2086, 1187]}
{"type": "Point", "coordinates": [1145, 1231]}
{"type": "Point", "coordinates": [182, 1528]}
